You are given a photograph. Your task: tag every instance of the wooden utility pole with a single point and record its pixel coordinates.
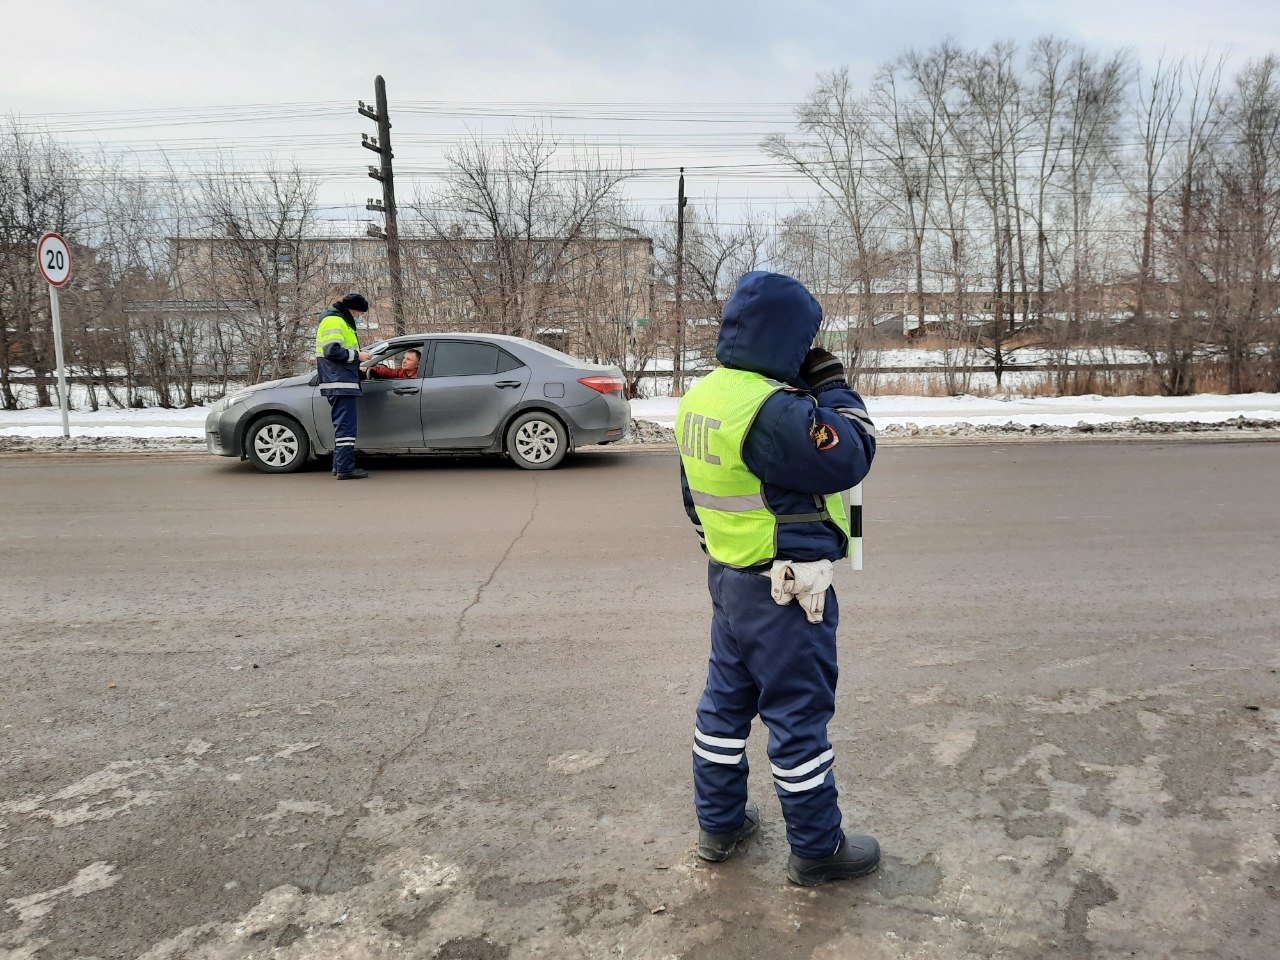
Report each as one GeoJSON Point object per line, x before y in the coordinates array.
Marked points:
{"type": "Point", "coordinates": [381, 145]}
{"type": "Point", "coordinates": [677, 372]}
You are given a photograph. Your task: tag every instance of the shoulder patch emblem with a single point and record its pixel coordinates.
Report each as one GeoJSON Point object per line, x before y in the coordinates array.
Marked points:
{"type": "Point", "coordinates": [823, 437]}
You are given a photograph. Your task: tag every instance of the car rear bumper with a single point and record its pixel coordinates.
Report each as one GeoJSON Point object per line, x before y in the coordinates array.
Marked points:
{"type": "Point", "coordinates": [603, 420]}
{"type": "Point", "coordinates": [585, 438]}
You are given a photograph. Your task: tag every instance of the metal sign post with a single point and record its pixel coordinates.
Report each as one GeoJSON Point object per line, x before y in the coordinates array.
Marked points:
{"type": "Point", "coordinates": [53, 257]}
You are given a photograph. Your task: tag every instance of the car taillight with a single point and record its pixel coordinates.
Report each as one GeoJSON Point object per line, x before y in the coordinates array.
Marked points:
{"type": "Point", "coordinates": [603, 384]}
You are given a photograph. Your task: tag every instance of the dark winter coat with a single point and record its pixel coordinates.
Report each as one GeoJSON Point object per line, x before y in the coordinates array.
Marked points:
{"type": "Point", "coordinates": [338, 364]}
{"type": "Point", "coordinates": [768, 327]}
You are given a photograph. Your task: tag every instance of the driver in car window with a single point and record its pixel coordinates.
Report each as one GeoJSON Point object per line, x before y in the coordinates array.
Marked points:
{"type": "Point", "coordinates": [408, 368]}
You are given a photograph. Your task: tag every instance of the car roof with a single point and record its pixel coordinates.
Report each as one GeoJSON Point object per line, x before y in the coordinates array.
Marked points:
{"type": "Point", "coordinates": [523, 346]}
{"type": "Point", "coordinates": [494, 337]}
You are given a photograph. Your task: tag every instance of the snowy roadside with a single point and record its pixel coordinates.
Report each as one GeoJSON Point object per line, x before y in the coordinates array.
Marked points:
{"type": "Point", "coordinates": [646, 433]}
{"type": "Point", "coordinates": [897, 418]}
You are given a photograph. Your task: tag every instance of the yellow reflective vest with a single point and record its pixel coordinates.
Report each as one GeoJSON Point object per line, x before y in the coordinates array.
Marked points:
{"type": "Point", "coordinates": [337, 356]}
{"type": "Point", "coordinates": [711, 425]}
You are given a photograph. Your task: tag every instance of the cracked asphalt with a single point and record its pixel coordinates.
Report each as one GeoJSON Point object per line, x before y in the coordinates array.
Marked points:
{"type": "Point", "coordinates": [446, 712]}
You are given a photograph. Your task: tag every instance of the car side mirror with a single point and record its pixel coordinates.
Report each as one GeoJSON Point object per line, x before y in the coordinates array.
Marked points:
{"type": "Point", "coordinates": [315, 379]}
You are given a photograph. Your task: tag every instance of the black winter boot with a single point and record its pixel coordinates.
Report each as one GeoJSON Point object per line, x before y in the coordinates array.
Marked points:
{"type": "Point", "coordinates": [856, 856]}
{"type": "Point", "coordinates": [718, 846]}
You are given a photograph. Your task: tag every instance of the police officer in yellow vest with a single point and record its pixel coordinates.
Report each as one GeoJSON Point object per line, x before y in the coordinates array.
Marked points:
{"type": "Point", "coordinates": [768, 441]}
{"type": "Point", "coordinates": [338, 357]}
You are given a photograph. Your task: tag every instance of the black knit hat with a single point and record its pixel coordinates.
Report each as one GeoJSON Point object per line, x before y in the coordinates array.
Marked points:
{"type": "Point", "coordinates": [354, 301]}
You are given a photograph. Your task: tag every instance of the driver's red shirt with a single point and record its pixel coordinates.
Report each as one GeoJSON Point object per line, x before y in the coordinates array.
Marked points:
{"type": "Point", "coordinates": [390, 373]}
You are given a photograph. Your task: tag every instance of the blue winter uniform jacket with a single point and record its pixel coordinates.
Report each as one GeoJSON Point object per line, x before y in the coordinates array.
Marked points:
{"type": "Point", "coordinates": [768, 327]}
{"type": "Point", "coordinates": [340, 364]}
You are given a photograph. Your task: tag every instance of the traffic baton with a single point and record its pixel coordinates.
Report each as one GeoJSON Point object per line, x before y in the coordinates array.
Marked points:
{"type": "Point", "coordinates": [853, 510]}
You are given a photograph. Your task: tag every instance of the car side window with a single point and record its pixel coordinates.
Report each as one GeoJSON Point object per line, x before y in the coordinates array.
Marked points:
{"type": "Point", "coordinates": [506, 361]}
{"type": "Point", "coordinates": [468, 358]}
{"type": "Point", "coordinates": [394, 360]}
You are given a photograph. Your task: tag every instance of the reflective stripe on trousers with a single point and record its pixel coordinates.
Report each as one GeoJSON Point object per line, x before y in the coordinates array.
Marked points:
{"type": "Point", "coordinates": [343, 411]}
{"type": "Point", "coordinates": [771, 660]}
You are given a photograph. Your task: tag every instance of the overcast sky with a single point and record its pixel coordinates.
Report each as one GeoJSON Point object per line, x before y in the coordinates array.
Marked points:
{"type": "Point", "coordinates": [75, 56]}
{"type": "Point", "coordinates": [91, 54]}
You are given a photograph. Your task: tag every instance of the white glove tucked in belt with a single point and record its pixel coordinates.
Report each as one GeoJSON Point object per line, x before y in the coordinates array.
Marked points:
{"type": "Point", "coordinates": [806, 582]}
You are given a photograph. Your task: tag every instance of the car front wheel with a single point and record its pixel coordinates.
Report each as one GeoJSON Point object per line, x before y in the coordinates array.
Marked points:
{"type": "Point", "coordinates": [276, 444]}
{"type": "Point", "coordinates": [537, 441]}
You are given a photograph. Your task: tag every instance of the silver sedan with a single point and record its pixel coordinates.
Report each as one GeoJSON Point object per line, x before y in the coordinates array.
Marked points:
{"type": "Point", "coordinates": [470, 393]}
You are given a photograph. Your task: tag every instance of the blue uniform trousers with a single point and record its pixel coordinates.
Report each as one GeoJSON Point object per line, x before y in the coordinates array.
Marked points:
{"type": "Point", "coordinates": [343, 410]}
{"type": "Point", "coordinates": [768, 660]}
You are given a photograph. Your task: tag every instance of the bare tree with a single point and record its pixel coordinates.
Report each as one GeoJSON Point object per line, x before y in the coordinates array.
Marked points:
{"type": "Point", "coordinates": [39, 191]}
{"type": "Point", "coordinates": [608, 301]}
{"type": "Point", "coordinates": [507, 220]}
{"type": "Point", "coordinates": [1245, 242]}
{"type": "Point", "coordinates": [1095, 102]}
{"type": "Point", "coordinates": [716, 254]}
{"type": "Point", "coordinates": [910, 95]}
{"type": "Point", "coordinates": [815, 246]}
{"type": "Point", "coordinates": [1157, 107]}
{"type": "Point", "coordinates": [991, 138]}
{"type": "Point", "coordinates": [834, 153]}
{"type": "Point", "coordinates": [1174, 338]}
{"type": "Point", "coordinates": [100, 334]}
{"type": "Point", "coordinates": [1048, 68]}
{"type": "Point", "coordinates": [604, 300]}
{"type": "Point", "coordinates": [942, 231]}
{"type": "Point", "coordinates": [260, 248]}
{"type": "Point", "coordinates": [1078, 247]}
{"type": "Point", "coordinates": [128, 322]}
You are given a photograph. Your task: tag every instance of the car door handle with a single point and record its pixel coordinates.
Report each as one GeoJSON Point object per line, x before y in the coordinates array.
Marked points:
{"type": "Point", "coordinates": [404, 391]}
{"type": "Point", "coordinates": [507, 383]}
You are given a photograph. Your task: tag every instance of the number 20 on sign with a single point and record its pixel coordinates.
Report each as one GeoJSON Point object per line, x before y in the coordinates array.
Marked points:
{"type": "Point", "coordinates": [55, 259]}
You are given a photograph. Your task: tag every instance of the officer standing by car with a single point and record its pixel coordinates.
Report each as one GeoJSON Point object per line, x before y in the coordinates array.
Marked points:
{"type": "Point", "coordinates": [768, 441]}
{"type": "Point", "coordinates": [338, 357]}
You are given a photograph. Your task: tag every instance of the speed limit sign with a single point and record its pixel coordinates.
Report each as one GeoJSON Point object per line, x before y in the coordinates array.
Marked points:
{"type": "Point", "coordinates": [54, 259]}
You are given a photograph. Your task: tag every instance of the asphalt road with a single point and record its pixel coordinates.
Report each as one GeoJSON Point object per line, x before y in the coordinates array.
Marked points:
{"type": "Point", "coordinates": [447, 712]}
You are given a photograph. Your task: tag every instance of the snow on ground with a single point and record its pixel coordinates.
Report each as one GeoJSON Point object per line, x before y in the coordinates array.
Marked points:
{"type": "Point", "coordinates": [150, 422]}
{"type": "Point", "coordinates": [920, 357]}
{"type": "Point", "coordinates": [874, 356]}
{"type": "Point", "coordinates": [1027, 411]}
{"type": "Point", "coordinates": [886, 411]}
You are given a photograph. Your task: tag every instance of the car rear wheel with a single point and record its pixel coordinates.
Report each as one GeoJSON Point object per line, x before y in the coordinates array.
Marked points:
{"type": "Point", "coordinates": [277, 444]}
{"type": "Point", "coordinates": [536, 441]}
